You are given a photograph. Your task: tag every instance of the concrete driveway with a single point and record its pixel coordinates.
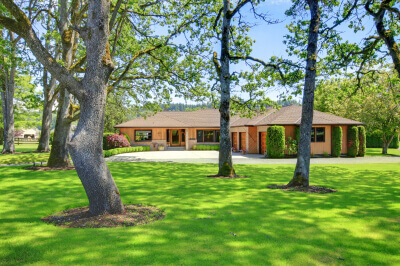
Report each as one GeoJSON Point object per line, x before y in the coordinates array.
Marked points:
{"type": "Point", "coordinates": [238, 158]}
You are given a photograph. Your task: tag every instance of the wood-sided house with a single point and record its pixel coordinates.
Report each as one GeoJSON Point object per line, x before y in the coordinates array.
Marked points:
{"type": "Point", "coordinates": [202, 127]}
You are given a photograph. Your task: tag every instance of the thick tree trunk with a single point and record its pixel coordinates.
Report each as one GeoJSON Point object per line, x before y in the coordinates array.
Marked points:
{"type": "Point", "coordinates": [225, 151]}
{"type": "Point", "coordinates": [87, 153]}
{"type": "Point", "coordinates": [302, 171]}
{"type": "Point", "coordinates": [386, 143]}
{"type": "Point", "coordinates": [59, 156]}
{"type": "Point", "coordinates": [8, 107]}
{"type": "Point", "coordinates": [46, 124]}
{"type": "Point", "coordinates": [385, 148]}
{"type": "Point", "coordinates": [49, 98]}
{"type": "Point", "coordinates": [86, 146]}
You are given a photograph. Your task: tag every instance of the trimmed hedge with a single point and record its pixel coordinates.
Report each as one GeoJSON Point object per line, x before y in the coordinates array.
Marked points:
{"type": "Point", "coordinates": [374, 141]}
{"type": "Point", "coordinates": [362, 137]}
{"type": "Point", "coordinates": [202, 147]}
{"type": "Point", "coordinates": [395, 142]}
{"type": "Point", "coordinates": [337, 135]}
{"type": "Point", "coordinates": [108, 153]}
{"type": "Point", "coordinates": [276, 142]}
{"type": "Point", "coordinates": [352, 141]}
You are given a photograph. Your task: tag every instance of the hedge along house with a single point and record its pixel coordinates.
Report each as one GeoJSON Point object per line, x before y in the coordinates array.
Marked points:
{"type": "Point", "coordinates": [202, 127]}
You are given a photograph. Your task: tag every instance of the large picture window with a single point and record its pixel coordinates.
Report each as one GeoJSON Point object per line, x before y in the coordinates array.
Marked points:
{"type": "Point", "coordinates": [142, 135]}
{"type": "Point", "coordinates": [208, 135]}
{"type": "Point", "coordinates": [318, 134]}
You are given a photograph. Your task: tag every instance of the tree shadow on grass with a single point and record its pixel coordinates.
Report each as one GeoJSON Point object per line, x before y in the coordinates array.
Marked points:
{"type": "Point", "coordinates": [271, 227]}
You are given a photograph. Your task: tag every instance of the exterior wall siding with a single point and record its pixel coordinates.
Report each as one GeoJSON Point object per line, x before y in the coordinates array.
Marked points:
{"type": "Point", "coordinates": [321, 147]}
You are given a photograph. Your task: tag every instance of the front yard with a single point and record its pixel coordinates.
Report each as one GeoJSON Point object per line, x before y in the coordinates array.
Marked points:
{"type": "Point", "coordinates": [209, 221]}
{"type": "Point", "coordinates": [25, 154]}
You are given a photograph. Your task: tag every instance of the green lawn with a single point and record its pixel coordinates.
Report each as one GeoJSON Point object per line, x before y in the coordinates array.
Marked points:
{"type": "Point", "coordinates": [360, 223]}
{"type": "Point", "coordinates": [24, 157]}
{"type": "Point", "coordinates": [378, 152]}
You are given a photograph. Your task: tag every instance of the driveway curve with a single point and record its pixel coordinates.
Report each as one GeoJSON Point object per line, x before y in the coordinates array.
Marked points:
{"type": "Point", "coordinates": [212, 157]}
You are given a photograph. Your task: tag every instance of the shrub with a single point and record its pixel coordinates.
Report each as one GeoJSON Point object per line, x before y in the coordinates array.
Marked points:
{"type": "Point", "coordinates": [276, 142]}
{"type": "Point", "coordinates": [337, 135]}
{"type": "Point", "coordinates": [108, 153]}
{"type": "Point", "coordinates": [326, 154]}
{"type": "Point", "coordinates": [291, 146]}
{"type": "Point", "coordinates": [362, 138]}
{"type": "Point", "coordinates": [352, 141]}
{"type": "Point", "coordinates": [395, 142]}
{"type": "Point", "coordinates": [146, 148]}
{"type": "Point", "coordinates": [117, 141]}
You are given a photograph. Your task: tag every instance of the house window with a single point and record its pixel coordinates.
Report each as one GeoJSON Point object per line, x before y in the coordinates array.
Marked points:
{"type": "Point", "coordinates": [208, 135]}
{"type": "Point", "coordinates": [200, 136]}
{"type": "Point", "coordinates": [318, 134]}
{"type": "Point", "coordinates": [142, 135]}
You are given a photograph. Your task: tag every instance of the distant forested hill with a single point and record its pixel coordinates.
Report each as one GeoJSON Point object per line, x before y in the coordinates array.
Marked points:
{"type": "Point", "coordinates": [187, 107]}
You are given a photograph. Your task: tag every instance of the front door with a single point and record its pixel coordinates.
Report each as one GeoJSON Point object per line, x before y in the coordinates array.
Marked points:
{"type": "Point", "coordinates": [175, 138]}
{"type": "Point", "coordinates": [263, 142]}
{"type": "Point", "coordinates": [234, 140]}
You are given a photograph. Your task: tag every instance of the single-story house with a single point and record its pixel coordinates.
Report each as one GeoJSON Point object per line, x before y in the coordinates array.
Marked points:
{"type": "Point", "coordinates": [30, 133]}
{"type": "Point", "coordinates": [202, 127]}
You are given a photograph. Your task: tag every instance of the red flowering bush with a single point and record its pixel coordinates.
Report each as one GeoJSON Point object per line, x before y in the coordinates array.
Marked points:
{"type": "Point", "coordinates": [117, 141]}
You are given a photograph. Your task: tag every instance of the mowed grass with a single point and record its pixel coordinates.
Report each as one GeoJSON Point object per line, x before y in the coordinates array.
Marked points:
{"type": "Point", "coordinates": [360, 223]}
{"type": "Point", "coordinates": [378, 152]}
{"type": "Point", "coordinates": [26, 157]}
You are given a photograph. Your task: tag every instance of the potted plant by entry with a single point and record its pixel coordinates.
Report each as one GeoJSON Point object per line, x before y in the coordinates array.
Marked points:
{"type": "Point", "coordinates": [161, 147]}
{"type": "Point", "coordinates": [243, 151]}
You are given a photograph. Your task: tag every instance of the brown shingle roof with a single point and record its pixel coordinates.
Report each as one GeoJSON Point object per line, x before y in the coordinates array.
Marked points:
{"type": "Point", "coordinates": [288, 115]}
{"type": "Point", "coordinates": [198, 118]}
{"type": "Point", "coordinates": [291, 115]}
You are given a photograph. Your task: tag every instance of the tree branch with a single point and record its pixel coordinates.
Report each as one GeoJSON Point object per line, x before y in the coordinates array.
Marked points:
{"type": "Point", "coordinates": [231, 14]}
{"type": "Point", "coordinates": [23, 27]}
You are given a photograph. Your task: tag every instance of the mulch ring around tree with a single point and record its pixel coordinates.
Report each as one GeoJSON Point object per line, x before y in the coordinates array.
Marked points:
{"type": "Point", "coordinates": [227, 177]}
{"type": "Point", "coordinates": [133, 215]}
{"type": "Point", "coordinates": [46, 168]}
{"type": "Point", "coordinates": [310, 189]}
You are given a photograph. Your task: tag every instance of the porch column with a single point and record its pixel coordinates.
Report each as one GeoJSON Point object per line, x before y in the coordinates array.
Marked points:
{"type": "Point", "coordinates": [187, 138]}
